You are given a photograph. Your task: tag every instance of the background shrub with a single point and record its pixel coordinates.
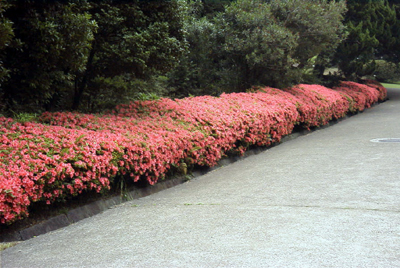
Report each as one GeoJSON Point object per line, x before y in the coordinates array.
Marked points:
{"type": "Point", "coordinates": [386, 71]}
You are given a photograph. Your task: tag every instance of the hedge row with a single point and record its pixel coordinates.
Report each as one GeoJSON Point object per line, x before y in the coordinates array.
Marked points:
{"type": "Point", "coordinates": [68, 153]}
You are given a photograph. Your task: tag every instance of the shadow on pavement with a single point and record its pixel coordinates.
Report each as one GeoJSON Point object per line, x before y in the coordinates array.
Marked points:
{"type": "Point", "coordinates": [394, 94]}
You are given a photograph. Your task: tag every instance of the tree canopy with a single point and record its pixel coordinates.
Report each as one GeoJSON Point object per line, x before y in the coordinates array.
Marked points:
{"type": "Point", "coordinates": [254, 42]}
{"type": "Point", "coordinates": [373, 30]}
{"type": "Point", "coordinates": [90, 55]}
{"type": "Point", "coordinates": [63, 54]}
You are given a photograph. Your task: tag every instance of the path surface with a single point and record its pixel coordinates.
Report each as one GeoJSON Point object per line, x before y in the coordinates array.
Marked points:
{"type": "Point", "coordinates": [327, 199]}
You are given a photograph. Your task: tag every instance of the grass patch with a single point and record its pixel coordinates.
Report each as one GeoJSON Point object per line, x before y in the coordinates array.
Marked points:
{"type": "Point", "coordinates": [3, 246]}
{"type": "Point", "coordinates": [391, 85]}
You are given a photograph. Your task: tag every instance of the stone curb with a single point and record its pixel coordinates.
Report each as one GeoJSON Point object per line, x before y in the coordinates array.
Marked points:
{"type": "Point", "coordinates": [99, 206]}
{"type": "Point", "coordinates": [86, 211]}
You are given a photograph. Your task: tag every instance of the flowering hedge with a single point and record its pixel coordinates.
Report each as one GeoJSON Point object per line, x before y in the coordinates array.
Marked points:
{"type": "Point", "coordinates": [361, 96]}
{"type": "Point", "coordinates": [68, 153]}
{"type": "Point", "coordinates": [318, 105]}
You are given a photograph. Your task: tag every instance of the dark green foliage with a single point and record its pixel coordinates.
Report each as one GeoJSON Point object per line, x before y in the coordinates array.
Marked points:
{"type": "Point", "coordinates": [318, 25]}
{"type": "Point", "coordinates": [373, 32]}
{"type": "Point", "coordinates": [355, 55]}
{"type": "Point", "coordinates": [90, 55]}
{"type": "Point", "coordinates": [386, 71]}
{"type": "Point", "coordinates": [196, 73]}
{"type": "Point", "coordinates": [253, 49]}
{"type": "Point", "coordinates": [389, 36]}
{"type": "Point", "coordinates": [135, 42]}
{"type": "Point", "coordinates": [6, 36]}
{"type": "Point", "coordinates": [256, 43]}
{"type": "Point", "coordinates": [52, 45]}
{"type": "Point", "coordinates": [87, 54]}
{"type": "Point", "coordinates": [209, 8]}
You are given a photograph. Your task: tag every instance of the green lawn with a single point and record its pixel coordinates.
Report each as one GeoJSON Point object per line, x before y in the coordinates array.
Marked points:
{"type": "Point", "coordinates": [391, 85]}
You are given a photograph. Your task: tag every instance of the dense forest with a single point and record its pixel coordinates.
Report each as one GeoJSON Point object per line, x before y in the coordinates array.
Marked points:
{"type": "Point", "coordinates": [91, 55]}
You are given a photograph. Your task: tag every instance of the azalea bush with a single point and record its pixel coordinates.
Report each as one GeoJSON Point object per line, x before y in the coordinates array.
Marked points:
{"type": "Point", "coordinates": [319, 104]}
{"type": "Point", "coordinates": [378, 86]}
{"type": "Point", "coordinates": [66, 153]}
{"type": "Point", "coordinates": [361, 96]}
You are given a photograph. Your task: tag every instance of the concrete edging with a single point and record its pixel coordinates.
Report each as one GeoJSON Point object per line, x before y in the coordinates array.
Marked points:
{"type": "Point", "coordinates": [85, 211]}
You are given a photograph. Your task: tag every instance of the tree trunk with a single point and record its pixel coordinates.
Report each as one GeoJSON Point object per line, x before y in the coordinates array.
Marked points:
{"type": "Point", "coordinates": [80, 87]}
{"type": "Point", "coordinates": [319, 70]}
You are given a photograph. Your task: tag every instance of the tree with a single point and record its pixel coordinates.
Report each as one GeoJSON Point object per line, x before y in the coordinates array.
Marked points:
{"type": "Point", "coordinates": [197, 72]}
{"type": "Point", "coordinates": [257, 43]}
{"type": "Point", "coordinates": [252, 48]}
{"type": "Point", "coordinates": [52, 45]}
{"type": "Point", "coordinates": [237, 48]}
{"type": "Point", "coordinates": [82, 54]}
{"type": "Point", "coordinates": [373, 31]}
{"type": "Point", "coordinates": [388, 33]}
{"type": "Point", "coordinates": [135, 41]}
{"type": "Point", "coordinates": [318, 24]}
{"type": "Point", "coordinates": [6, 37]}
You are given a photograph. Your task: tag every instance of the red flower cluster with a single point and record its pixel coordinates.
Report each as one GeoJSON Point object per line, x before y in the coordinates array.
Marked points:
{"type": "Point", "coordinates": [70, 152]}
{"type": "Point", "coordinates": [360, 96]}
{"type": "Point", "coordinates": [318, 105]}
{"type": "Point", "coordinates": [375, 84]}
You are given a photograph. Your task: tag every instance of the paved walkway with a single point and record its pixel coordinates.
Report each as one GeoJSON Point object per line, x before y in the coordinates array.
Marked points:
{"type": "Point", "coordinates": [327, 199]}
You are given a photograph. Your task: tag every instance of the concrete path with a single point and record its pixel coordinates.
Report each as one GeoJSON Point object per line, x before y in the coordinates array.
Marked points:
{"type": "Point", "coordinates": [327, 199]}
